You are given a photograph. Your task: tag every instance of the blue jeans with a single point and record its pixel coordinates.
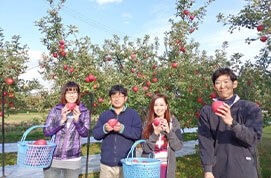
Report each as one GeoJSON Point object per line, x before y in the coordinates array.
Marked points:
{"type": "Point", "coordinates": [58, 172]}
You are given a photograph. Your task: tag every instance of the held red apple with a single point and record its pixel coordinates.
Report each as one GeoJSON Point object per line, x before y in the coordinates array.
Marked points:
{"type": "Point", "coordinates": [71, 106]}
{"type": "Point", "coordinates": [156, 121]}
{"type": "Point", "coordinates": [40, 142]}
{"type": "Point", "coordinates": [216, 105]}
{"type": "Point", "coordinates": [112, 122]}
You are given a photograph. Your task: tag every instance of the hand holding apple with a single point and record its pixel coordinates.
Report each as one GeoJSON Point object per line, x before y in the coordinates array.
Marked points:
{"type": "Point", "coordinates": [157, 129]}
{"type": "Point", "coordinates": [164, 125]}
{"type": "Point", "coordinates": [112, 122]}
{"type": "Point", "coordinates": [157, 121]}
{"type": "Point", "coordinates": [224, 111]}
{"type": "Point", "coordinates": [65, 111]}
{"type": "Point", "coordinates": [107, 127]}
{"type": "Point", "coordinates": [76, 113]}
{"type": "Point", "coordinates": [118, 127]}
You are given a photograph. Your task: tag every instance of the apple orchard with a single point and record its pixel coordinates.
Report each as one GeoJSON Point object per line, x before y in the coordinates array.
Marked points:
{"type": "Point", "coordinates": [182, 72]}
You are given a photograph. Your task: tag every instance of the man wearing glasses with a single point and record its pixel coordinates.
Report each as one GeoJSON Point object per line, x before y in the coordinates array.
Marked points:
{"type": "Point", "coordinates": [119, 134]}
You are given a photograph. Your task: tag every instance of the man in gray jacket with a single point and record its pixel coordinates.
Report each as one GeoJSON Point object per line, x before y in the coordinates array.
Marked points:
{"type": "Point", "coordinates": [228, 138]}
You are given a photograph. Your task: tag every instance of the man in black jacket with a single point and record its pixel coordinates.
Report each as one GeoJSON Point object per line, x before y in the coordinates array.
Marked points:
{"type": "Point", "coordinates": [228, 138]}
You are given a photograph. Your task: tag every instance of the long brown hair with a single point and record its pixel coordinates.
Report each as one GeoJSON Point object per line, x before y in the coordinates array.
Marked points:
{"type": "Point", "coordinates": [148, 130]}
{"type": "Point", "coordinates": [69, 86]}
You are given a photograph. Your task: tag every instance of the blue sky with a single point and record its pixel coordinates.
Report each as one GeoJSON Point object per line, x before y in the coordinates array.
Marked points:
{"type": "Point", "coordinates": [99, 19]}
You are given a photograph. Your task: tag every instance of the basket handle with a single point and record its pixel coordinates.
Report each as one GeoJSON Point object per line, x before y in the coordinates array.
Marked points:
{"type": "Point", "coordinates": [33, 127]}
{"type": "Point", "coordinates": [133, 147]}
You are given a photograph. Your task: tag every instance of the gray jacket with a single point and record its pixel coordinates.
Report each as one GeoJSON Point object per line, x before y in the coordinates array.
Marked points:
{"type": "Point", "coordinates": [228, 151]}
{"type": "Point", "coordinates": [175, 143]}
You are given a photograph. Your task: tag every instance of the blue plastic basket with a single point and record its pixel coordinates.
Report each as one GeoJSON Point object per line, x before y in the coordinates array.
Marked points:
{"type": "Point", "coordinates": [34, 156]}
{"type": "Point", "coordinates": [139, 167]}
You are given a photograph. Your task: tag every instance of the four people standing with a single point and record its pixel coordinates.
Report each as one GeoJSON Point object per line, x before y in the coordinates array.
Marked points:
{"type": "Point", "coordinates": [227, 139]}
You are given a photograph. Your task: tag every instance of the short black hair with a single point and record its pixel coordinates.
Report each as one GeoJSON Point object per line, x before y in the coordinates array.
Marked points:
{"type": "Point", "coordinates": [118, 89]}
{"type": "Point", "coordinates": [224, 71]}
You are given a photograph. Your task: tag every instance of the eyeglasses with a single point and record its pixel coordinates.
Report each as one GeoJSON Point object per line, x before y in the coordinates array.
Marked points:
{"type": "Point", "coordinates": [118, 97]}
{"type": "Point", "coordinates": [71, 93]}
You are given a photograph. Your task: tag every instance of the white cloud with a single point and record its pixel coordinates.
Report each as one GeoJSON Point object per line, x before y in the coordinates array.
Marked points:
{"type": "Point", "coordinates": [102, 2]}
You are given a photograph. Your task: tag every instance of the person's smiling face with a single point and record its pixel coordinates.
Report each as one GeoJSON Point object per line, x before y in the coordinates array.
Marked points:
{"type": "Point", "coordinates": [71, 95]}
{"type": "Point", "coordinates": [224, 86]}
{"type": "Point", "coordinates": [160, 107]}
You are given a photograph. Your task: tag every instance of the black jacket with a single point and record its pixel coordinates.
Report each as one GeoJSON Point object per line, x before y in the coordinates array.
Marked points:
{"type": "Point", "coordinates": [228, 151]}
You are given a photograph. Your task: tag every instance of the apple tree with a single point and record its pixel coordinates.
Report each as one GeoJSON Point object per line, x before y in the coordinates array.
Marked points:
{"type": "Point", "coordinates": [255, 79]}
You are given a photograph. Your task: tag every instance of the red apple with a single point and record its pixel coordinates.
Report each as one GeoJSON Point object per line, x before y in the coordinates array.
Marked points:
{"type": "Point", "coordinates": [133, 56]}
{"type": "Point", "coordinates": [192, 30]}
{"type": "Point", "coordinates": [65, 67]}
{"type": "Point", "coordinates": [199, 100]}
{"type": "Point", "coordinates": [148, 94]}
{"type": "Point", "coordinates": [145, 88]}
{"type": "Point", "coordinates": [213, 95]}
{"type": "Point", "coordinates": [154, 80]}
{"type": "Point", "coordinates": [135, 89]}
{"type": "Point", "coordinates": [156, 121]}
{"type": "Point", "coordinates": [100, 100]}
{"type": "Point", "coordinates": [248, 83]}
{"type": "Point", "coordinates": [135, 161]}
{"type": "Point", "coordinates": [62, 47]}
{"type": "Point", "coordinates": [216, 105]}
{"type": "Point", "coordinates": [63, 53]}
{"type": "Point", "coordinates": [55, 55]}
{"type": "Point", "coordinates": [182, 49]}
{"type": "Point", "coordinates": [146, 57]}
{"type": "Point", "coordinates": [0, 114]}
{"type": "Point", "coordinates": [133, 70]}
{"type": "Point", "coordinates": [62, 42]}
{"type": "Point", "coordinates": [40, 142]}
{"type": "Point", "coordinates": [9, 81]}
{"type": "Point", "coordinates": [263, 39]}
{"type": "Point", "coordinates": [71, 106]}
{"type": "Point", "coordinates": [174, 65]}
{"type": "Point", "coordinates": [192, 17]}
{"type": "Point", "coordinates": [148, 83]}
{"type": "Point", "coordinates": [109, 59]}
{"type": "Point", "coordinates": [87, 79]}
{"type": "Point", "coordinates": [94, 105]}
{"type": "Point", "coordinates": [139, 74]}
{"type": "Point", "coordinates": [71, 69]}
{"type": "Point", "coordinates": [177, 41]}
{"type": "Point", "coordinates": [53, 76]}
{"type": "Point", "coordinates": [5, 93]}
{"type": "Point", "coordinates": [112, 122]}
{"type": "Point", "coordinates": [91, 77]}
{"type": "Point", "coordinates": [95, 86]}
{"type": "Point", "coordinates": [145, 162]}
{"type": "Point", "coordinates": [205, 84]}
{"type": "Point", "coordinates": [186, 12]}
{"type": "Point", "coordinates": [260, 28]}
{"type": "Point", "coordinates": [154, 67]}
{"type": "Point", "coordinates": [42, 65]}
